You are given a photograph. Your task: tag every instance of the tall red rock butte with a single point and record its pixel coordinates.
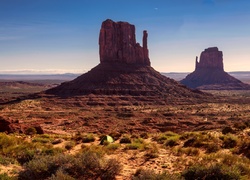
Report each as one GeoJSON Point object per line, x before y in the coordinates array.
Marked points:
{"type": "Point", "coordinates": [117, 43]}
{"type": "Point", "coordinates": [209, 73]}
{"type": "Point", "coordinates": [124, 69]}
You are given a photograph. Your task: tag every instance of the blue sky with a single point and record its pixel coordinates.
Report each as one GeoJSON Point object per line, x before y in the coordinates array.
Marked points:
{"type": "Point", "coordinates": [57, 36]}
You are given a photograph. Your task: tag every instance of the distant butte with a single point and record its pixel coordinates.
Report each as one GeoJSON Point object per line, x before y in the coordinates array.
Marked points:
{"type": "Point", "coordinates": [124, 69]}
{"type": "Point", "coordinates": [209, 73]}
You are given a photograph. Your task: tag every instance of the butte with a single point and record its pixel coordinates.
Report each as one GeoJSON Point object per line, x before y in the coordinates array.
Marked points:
{"type": "Point", "coordinates": [125, 70]}
{"type": "Point", "coordinates": [209, 73]}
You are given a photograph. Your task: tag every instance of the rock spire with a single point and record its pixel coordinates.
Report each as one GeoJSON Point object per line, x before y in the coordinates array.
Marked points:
{"type": "Point", "coordinates": [117, 43]}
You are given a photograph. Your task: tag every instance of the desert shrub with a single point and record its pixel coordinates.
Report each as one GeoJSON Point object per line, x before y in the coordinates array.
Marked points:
{"type": "Point", "coordinates": [216, 171]}
{"type": "Point", "coordinates": [88, 138]}
{"type": "Point", "coordinates": [227, 130]}
{"type": "Point", "coordinates": [244, 148]}
{"type": "Point", "coordinates": [30, 131]}
{"type": "Point", "coordinates": [115, 135]}
{"type": "Point", "coordinates": [152, 151]}
{"type": "Point", "coordinates": [6, 160]}
{"type": "Point", "coordinates": [229, 141]}
{"type": "Point", "coordinates": [112, 147]}
{"type": "Point", "coordinates": [86, 165]}
{"type": "Point", "coordinates": [172, 141]}
{"type": "Point", "coordinates": [5, 176]}
{"type": "Point", "coordinates": [40, 140]}
{"type": "Point", "coordinates": [110, 169]}
{"type": "Point", "coordinates": [69, 145]}
{"type": "Point", "coordinates": [7, 141]}
{"type": "Point", "coordinates": [43, 167]}
{"type": "Point", "coordinates": [61, 175]}
{"type": "Point", "coordinates": [212, 147]}
{"type": "Point", "coordinates": [169, 135]}
{"type": "Point", "coordinates": [136, 144]}
{"type": "Point", "coordinates": [189, 151]}
{"type": "Point", "coordinates": [125, 140]}
{"type": "Point", "coordinates": [144, 135]}
{"type": "Point", "coordinates": [57, 141]}
{"type": "Point", "coordinates": [188, 135]}
{"type": "Point", "coordinates": [230, 160]}
{"type": "Point", "coordinates": [142, 174]}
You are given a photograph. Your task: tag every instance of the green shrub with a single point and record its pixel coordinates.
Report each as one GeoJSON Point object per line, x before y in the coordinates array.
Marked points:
{"type": "Point", "coordinates": [216, 171]}
{"type": "Point", "coordinates": [189, 151]}
{"type": "Point", "coordinates": [41, 140]}
{"type": "Point", "coordinates": [5, 176]}
{"type": "Point", "coordinates": [142, 174]}
{"type": "Point", "coordinates": [30, 131]}
{"type": "Point", "coordinates": [61, 175]}
{"type": "Point", "coordinates": [69, 145]}
{"type": "Point", "coordinates": [152, 152]}
{"type": "Point", "coordinates": [88, 138]}
{"type": "Point", "coordinates": [57, 141]}
{"type": "Point", "coordinates": [172, 141]}
{"type": "Point", "coordinates": [112, 147]}
{"type": "Point", "coordinates": [244, 148]}
{"type": "Point", "coordinates": [229, 141]}
{"type": "Point", "coordinates": [125, 140]}
{"type": "Point", "coordinates": [212, 148]}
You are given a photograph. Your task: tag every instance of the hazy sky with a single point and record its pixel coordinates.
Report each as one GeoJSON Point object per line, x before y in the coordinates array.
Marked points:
{"type": "Point", "coordinates": [62, 35]}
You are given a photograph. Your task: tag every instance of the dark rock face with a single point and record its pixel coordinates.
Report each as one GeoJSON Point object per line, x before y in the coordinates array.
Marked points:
{"type": "Point", "coordinates": [125, 70]}
{"type": "Point", "coordinates": [117, 43]}
{"type": "Point", "coordinates": [209, 73]}
{"type": "Point", "coordinates": [9, 126]}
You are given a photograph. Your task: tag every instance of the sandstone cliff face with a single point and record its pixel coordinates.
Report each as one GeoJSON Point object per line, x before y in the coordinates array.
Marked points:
{"type": "Point", "coordinates": [211, 58]}
{"type": "Point", "coordinates": [117, 43]}
{"type": "Point", "coordinates": [209, 73]}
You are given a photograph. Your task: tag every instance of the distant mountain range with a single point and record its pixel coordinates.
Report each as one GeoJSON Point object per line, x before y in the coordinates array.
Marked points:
{"type": "Point", "coordinates": [241, 75]}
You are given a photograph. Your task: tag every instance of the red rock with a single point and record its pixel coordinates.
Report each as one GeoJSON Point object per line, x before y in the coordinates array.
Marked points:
{"type": "Point", "coordinates": [9, 126]}
{"type": "Point", "coordinates": [117, 43]}
{"type": "Point", "coordinates": [5, 125]}
{"type": "Point", "coordinates": [210, 58]}
{"type": "Point", "coordinates": [209, 73]}
{"type": "Point", "coordinates": [125, 70]}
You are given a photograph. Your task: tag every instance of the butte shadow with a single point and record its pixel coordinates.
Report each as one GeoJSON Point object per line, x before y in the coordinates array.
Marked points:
{"type": "Point", "coordinates": [124, 69]}
{"type": "Point", "coordinates": [209, 73]}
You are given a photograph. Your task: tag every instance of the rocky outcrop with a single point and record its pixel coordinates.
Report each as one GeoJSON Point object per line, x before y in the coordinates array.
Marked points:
{"type": "Point", "coordinates": [125, 70]}
{"type": "Point", "coordinates": [10, 126]}
{"type": "Point", "coordinates": [209, 73]}
{"type": "Point", "coordinates": [117, 43]}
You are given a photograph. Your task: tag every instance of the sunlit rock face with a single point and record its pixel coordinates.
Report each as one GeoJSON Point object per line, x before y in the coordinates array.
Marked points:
{"type": "Point", "coordinates": [209, 73]}
{"type": "Point", "coordinates": [117, 43]}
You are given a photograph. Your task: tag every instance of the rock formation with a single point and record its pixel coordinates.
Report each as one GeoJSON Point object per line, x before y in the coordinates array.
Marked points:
{"type": "Point", "coordinates": [124, 69]}
{"type": "Point", "coordinates": [209, 73]}
{"type": "Point", "coordinates": [117, 43]}
{"type": "Point", "coordinates": [9, 126]}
